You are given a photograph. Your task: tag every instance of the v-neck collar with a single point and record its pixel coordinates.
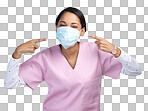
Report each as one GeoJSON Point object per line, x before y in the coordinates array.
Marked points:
{"type": "Point", "coordinates": [67, 63]}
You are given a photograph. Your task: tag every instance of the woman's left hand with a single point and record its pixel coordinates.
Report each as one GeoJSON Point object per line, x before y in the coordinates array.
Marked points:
{"type": "Point", "coordinates": [103, 44]}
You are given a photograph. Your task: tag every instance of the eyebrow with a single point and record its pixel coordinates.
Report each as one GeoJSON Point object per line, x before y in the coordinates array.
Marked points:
{"type": "Point", "coordinates": [72, 23]}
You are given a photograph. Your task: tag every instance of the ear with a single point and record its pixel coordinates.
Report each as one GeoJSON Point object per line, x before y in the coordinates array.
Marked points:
{"type": "Point", "coordinates": [82, 32]}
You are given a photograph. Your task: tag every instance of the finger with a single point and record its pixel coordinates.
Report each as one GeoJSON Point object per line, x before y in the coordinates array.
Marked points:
{"type": "Point", "coordinates": [95, 37]}
{"type": "Point", "coordinates": [30, 50]}
{"type": "Point", "coordinates": [102, 45]}
{"type": "Point", "coordinates": [38, 40]}
{"type": "Point", "coordinates": [36, 46]}
{"type": "Point", "coordinates": [99, 42]}
{"type": "Point", "coordinates": [102, 48]}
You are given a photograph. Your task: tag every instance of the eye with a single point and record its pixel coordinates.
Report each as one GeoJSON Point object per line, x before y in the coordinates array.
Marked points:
{"type": "Point", "coordinates": [61, 25]}
{"type": "Point", "coordinates": [74, 26]}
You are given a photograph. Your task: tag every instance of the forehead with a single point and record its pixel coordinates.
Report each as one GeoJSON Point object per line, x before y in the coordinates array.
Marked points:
{"type": "Point", "coordinates": [69, 17]}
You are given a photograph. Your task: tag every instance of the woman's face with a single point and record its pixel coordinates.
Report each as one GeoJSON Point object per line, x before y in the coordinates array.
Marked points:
{"type": "Point", "coordinates": [70, 20]}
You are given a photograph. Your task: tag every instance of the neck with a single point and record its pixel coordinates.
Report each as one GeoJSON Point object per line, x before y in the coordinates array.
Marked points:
{"type": "Point", "coordinates": [71, 51]}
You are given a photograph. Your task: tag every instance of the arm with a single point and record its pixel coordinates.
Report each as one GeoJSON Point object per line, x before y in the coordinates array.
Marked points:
{"type": "Point", "coordinates": [130, 65]}
{"type": "Point", "coordinates": [12, 79]}
{"type": "Point", "coordinates": [16, 73]}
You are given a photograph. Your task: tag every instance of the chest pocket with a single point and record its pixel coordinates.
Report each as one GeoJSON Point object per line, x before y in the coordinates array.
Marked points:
{"type": "Point", "coordinates": [91, 94]}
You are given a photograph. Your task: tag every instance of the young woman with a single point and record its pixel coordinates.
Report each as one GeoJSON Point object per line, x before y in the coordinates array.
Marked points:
{"type": "Point", "coordinates": [72, 70]}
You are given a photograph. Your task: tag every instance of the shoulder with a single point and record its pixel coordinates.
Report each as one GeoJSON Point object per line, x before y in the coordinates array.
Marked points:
{"type": "Point", "coordinates": [101, 53]}
{"type": "Point", "coordinates": [93, 46]}
{"type": "Point", "coordinates": [48, 52]}
{"type": "Point", "coordinates": [89, 44]}
{"type": "Point", "coordinates": [40, 57]}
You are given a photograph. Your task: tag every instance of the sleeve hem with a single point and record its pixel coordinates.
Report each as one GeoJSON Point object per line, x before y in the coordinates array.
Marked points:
{"type": "Point", "coordinates": [27, 83]}
{"type": "Point", "coordinates": [118, 73]}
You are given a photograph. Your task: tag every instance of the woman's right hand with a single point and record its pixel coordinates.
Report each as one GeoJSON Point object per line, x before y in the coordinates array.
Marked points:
{"type": "Point", "coordinates": [27, 47]}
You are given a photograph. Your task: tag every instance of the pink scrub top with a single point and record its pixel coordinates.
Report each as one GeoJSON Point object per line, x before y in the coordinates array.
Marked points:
{"type": "Point", "coordinates": [71, 89]}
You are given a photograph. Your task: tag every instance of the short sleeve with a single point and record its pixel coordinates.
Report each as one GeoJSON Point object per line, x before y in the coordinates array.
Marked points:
{"type": "Point", "coordinates": [110, 65]}
{"type": "Point", "coordinates": [32, 71]}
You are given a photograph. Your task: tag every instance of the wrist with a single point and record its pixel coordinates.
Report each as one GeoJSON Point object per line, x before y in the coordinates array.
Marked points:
{"type": "Point", "coordinates": [118, 53]}
{"type": "Point", "coordinates": [16, 55]}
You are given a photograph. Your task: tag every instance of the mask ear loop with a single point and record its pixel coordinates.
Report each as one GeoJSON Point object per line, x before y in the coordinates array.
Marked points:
{"type": "Point", "coordinates": [79, 36]}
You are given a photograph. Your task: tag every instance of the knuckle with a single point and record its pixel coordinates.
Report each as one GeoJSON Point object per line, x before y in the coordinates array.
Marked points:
{"type": "Point", "coordinates": [32, 51]}
{"type": "Point", "coordinates": [101, 41]}
{"type": "Point", "coordinates": [100, 47]}
{"type": "Point", "coordinates": [32, 45]}
{"type": "Point", "coordinates": [32, 48]}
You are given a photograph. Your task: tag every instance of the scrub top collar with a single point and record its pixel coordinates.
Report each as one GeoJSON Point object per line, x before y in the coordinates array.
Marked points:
{"type": "Point", "coordinates": [78, 57]}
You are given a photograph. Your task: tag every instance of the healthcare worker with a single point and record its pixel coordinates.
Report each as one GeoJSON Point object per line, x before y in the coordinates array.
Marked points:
{"type": "Point", "coordinates": [72, 70]}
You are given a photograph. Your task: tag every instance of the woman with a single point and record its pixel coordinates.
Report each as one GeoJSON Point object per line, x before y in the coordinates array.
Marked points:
{"type": "Point", "coordinates": [73, 70]}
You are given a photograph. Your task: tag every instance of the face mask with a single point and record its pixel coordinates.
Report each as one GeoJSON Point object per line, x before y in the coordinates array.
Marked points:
{"type": "Point", "coordinates": [67, 36]}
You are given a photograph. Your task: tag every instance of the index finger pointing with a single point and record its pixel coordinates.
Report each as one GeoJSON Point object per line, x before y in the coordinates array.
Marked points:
{"type": "Point", "coordinates": [39, 40]}
{"type": "Point", "coordinates": [95, 37]}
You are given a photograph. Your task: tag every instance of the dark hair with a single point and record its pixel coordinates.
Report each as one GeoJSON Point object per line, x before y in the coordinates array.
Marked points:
{"type": "Point", "coordinates": [76, 12]}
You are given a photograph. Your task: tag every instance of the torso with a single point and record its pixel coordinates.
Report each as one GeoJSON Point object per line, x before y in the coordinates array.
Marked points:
{"type": "Point", "coordinates": [75, 82]}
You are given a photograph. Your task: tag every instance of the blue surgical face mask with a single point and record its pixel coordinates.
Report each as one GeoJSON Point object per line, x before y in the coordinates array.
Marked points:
{"type": "Point", "coordinates": [67, 36]}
